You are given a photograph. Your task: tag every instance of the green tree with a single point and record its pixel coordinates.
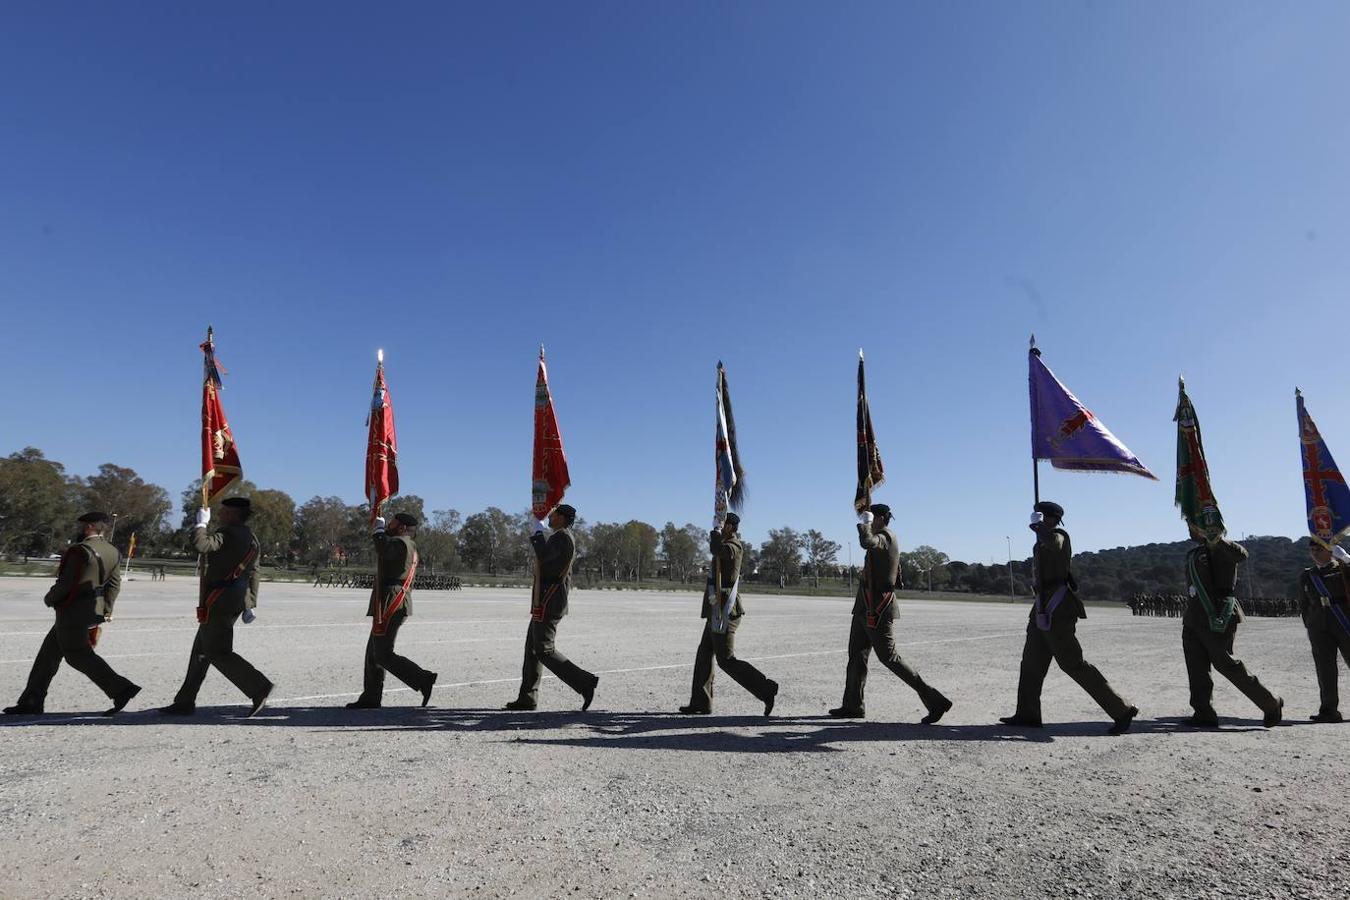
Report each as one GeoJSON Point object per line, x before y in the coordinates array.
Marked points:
{"type": "Point", "coordinates": [489, 541]}
{"type": "Point", "coordinates": [320, 525]}
{"type": "Point", "coordinates": [682, 555]}
{"type": "Point", "coordinates": [822, 554]}
{"type": "Point", "coordinates": [37, 504]}
{"type": "Point", "coordinates": [781, 555]}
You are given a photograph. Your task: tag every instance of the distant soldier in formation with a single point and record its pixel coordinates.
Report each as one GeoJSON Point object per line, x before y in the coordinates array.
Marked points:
{"type": "Point", "coordinates": [1210, 626]}
{"type": "Point", "coordinates": [229, 587]}
{"type": "Point", "coordinates": [1052, 627]}
{"type": "Point", "coordinates": [727, 553]}
{"type": "Point", "coordinates": [390, 605]}
{"type": "Point", "coordinates": [1326, 614]}
{"type": "Point", "coordinates": [547, 607]}
{"type": "Point", "coordinates": [874, 620]}
{"type": "Point", "coordinates": [87, 583]}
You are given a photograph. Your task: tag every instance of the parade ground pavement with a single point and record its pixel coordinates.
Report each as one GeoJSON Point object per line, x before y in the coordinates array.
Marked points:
{"type": "Point", "coordinates": [631, 799]}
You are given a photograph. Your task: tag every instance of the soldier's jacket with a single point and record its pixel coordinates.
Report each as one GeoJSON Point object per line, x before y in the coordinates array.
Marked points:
{"type": "Point", "coordinates": [75, 593]}
{"type": "Point", "coordinates": [1217, 565]}
{"type": "Point", "coordinates": [225, 548]}
{"type": "Point", "coordinates": [1310, 599]}
{"type": "Point", "coordinates": [394, 556]}
{"type": "Point", "coordinates": [881, 566]}
{"type": "Point", "coordinates": [555, 555]}
{"type": "Point", "coordinates": [727, 553]}
{"type": "Point", "coordinates": [1050, 557]}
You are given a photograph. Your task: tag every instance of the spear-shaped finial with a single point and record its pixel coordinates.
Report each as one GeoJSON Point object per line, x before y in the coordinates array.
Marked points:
{"type": "Point", "coordinates": [1181, 382]}
{"type": "Point", "coordinates": [210, 332]}
{"type": "Point", "coordinates": [1298, 394]}
{"type": "Point", "coordinates": [379, 356]}
{"type": "Point", "coordinates": [541, 351]}
{"type": "Point", "coordinates": [860, 356]}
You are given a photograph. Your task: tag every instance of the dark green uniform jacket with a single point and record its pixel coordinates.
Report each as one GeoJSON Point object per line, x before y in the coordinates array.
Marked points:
{"type": "Point", "coordinates": [76, 595]}
{"type": "Point", "coordinates": [1050, 558]}
{"type": "Point", "coordinates": [395, 557]}
{"type": "Point", "coordinates": [1217, 565]}
{"type": "Point", "coordinates": [1315, 615]}
{"type": "Point", "coordinates": [881, 566]}
{"type": "Point", "coordinates": [225, 548]}
{"type": "Point", "coordinates": [555, 555]}
{"type": "Point", "coordinates": [727, 553]}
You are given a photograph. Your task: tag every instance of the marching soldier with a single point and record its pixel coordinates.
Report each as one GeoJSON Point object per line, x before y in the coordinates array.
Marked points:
{"type": "Point", "coordinates": [727, 552]}
{"type": "Point", "coordinates": [1209, 627]}
{"type": "Point", "coordinates": [87, 583]}
{"type": "Point", "coordinates": [1052, 627]}
{"type": "Point", "coordinates": [229, 589]}
{"type": "Point", "coordinates": [547, 607]}
{"type": "Point", "coordinates": [1326, 615]}
{"type": "Point", "coordinates": [390, 604]}
{"type": "Point", "coordinates": [874, 618]}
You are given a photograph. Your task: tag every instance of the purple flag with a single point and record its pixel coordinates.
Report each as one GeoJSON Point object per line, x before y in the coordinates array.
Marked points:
{"type": "Point", "coordinates": [1066, 432]}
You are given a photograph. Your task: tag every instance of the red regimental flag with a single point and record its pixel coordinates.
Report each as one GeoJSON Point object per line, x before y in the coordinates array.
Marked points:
{"type": "Point", "coordinates": [549, 478]}
{"type": "Point", "coordinates": [220, 456]}
{"type": "Point", "coordinates": [381, 447]}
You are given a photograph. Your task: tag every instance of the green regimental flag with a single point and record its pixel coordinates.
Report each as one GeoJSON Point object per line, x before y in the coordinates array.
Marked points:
{"type": "Point", "coordinates": [1194, 497]}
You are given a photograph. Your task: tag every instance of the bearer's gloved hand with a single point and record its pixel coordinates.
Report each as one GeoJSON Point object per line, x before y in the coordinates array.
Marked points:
{"type": "Point", "coordinates": [249, 616]}
{"type": "Point", "coordinates": [717, 524]}
{"type": "Point", "coordinates": [539, 527]}
{"type": "Point", "coordinates": [379, 525]}
{"type": "Point", "coordinates": [865, 517]}
{"type": "Point", "coordinates": [203, 517]}
{"type": "Point", "coordinates": [1339, 554]}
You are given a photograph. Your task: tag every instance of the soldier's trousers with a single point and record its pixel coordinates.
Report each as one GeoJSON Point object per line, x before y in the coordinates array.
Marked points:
{"type": "Point", "coordinates": [381, 658]}
{"type": "Point", "coordinates": [862, 640]}
{"type": "Point", "coordinates": [71, 643]}
{"type": "Point", "coordinates": [1060, 645]}
{"type": "Point", "coordinates": [1325, 640]}
{"type": "Point", "coordinates": [541, 652]}
{"type": "Point", "coordinates": [722, 647]}
{"type": "Point", "coordinates": [1204, 648]}
{"type": "Point", "coordinates": [214, 646]}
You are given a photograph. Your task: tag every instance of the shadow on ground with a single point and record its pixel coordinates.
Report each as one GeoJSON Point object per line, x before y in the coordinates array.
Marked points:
{"type": "Point", "coordinates": [624, 730]}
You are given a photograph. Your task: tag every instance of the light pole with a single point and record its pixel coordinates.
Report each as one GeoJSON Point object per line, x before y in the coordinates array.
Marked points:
{"type": "Point", "coordinates": [1011, 593]}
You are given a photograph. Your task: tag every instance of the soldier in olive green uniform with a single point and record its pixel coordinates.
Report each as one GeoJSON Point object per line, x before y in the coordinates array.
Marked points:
{"type": "Point", "coordinates": [1326, 615]}
{"type": "Point", "coordinates": [87, 584]}
{"type": "Point", "coordinates": [727, 552]}
{"type": "Point", "coordinates": [1052, 627]}
{"type": "Point", "coordinates": [1209, 628]}
{"type": "Point", "coordinates": [229, 586]}
{"type": "Point", "coordinates": [390, 604]}
{"type": "Point", "coordinates": [549, 605]}
{"type": "Point", "coordinates": [874, 620]}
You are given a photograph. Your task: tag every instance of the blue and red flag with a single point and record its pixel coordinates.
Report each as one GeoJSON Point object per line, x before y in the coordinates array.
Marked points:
{"type": "Point", "coordinates": [220, 457]}
{"type": "Point", "coordinates": [1066, 432]}
{"type": "Point", "coordinates": [730, 487]}
{"type": "Point", "coordinates": [1324, 488]}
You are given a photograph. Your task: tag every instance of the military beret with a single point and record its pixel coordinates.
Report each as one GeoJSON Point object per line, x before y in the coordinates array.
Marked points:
{"type": "Point", "coordinates": [93, 518]}
{"type": "Point", "coordinates": [237, 503]}
{"type": "Point", "coordinates": [733, 520]}
{"type": "Point", "coordinates": [406, 519]}
{"type": "Point", "coordinates": [1049, 508]}
{"type": "Point", "coordinates": [567, 511]}
{"type": "Point", "coordinates": [880, 509]}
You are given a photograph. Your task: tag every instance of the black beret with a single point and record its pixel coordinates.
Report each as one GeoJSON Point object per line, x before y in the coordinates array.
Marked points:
{"type": "Point", "coordinates": [1049, 508]}
{"type": "Point", "coordinates": [880, 509]}
{"type": "Point", "coordinates": [733, 520]}
{"type": "Point", "coordinates": [237, 503]}
{"type": "Point", "coordinates": [93, 518]}
{"type": "Point", "coordinates": [567, 511]}
{"type": "Point", "coordinates": [406, 519]}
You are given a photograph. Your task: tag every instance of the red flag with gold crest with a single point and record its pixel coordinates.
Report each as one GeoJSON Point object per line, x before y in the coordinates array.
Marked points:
{"type": "Point", "coordinates": [381, 445]}
{"type": "Point", "coordinates": [220, 456]}
{"type": "Point", "coordinates": [549, 478]}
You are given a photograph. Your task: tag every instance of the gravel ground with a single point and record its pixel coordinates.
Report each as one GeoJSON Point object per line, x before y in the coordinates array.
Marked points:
{"type": "Point", "coordinates": [313, 800]}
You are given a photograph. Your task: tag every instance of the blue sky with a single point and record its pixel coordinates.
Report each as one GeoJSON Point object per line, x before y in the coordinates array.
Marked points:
{"type": "Point", "coordinates": [1151, 188]}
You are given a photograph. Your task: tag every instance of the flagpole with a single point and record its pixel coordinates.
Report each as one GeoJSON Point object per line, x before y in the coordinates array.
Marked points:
{"type": "Point", "coordinates": [1035, 402]}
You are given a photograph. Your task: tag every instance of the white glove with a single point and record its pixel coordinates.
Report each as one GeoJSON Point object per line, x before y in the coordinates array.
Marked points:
{"type": "Point", "coordinates": [1339, 553]}
{"type": "Point", "coordinates": [717, 524]}
{"type": "Point", "coordinates": [249, 616]}
{"type": "Point", "coordinates": [539, 527]}
{"type": "Point", "coordinates": [379, 525]}
{"type": "Point", "coordinates": [865, 517]}
{"type": "Point", "coordinates": [203, 517]}
{"type": "Point", "coordinates": [1037, 518]}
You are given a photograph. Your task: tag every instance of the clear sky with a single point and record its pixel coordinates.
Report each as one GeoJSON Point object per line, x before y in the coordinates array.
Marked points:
{"type": "Point", "coordinates": [1153, 188]}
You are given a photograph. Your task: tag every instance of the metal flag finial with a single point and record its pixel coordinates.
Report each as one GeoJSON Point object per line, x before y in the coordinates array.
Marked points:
{"type": "Point", "coordinates": [860, 356]}
{"type": "Point", "coordinates": [379, 356]}
{"type": "Point", "coordinates": [541, 351]}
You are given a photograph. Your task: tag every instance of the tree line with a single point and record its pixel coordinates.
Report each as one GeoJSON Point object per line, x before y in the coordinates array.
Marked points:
{"type": "Point", "coordinates": [39, 501]}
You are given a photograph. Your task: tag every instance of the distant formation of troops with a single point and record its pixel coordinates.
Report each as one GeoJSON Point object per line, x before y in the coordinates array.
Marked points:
{"type": "Point", "coordinates": [1173, 606]}
{"type": "Point", "coordinates": [366, 581]}
{"type": "Point", "coordinates": [88, 582]}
